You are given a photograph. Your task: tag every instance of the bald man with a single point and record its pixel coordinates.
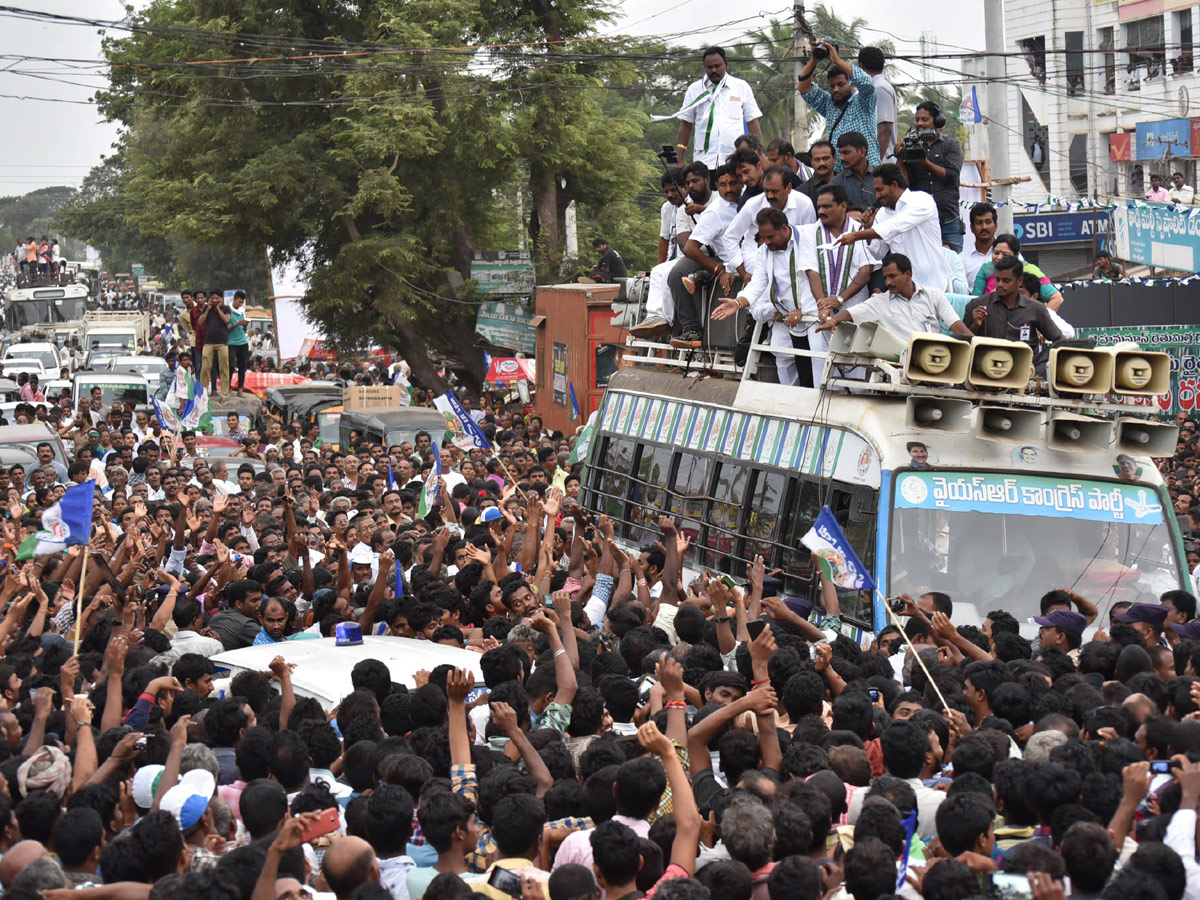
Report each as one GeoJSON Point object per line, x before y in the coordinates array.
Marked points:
{"type": "Point", "coordinates": [19, 855]}
{"type": "Point", "coordinates": [348, 864]}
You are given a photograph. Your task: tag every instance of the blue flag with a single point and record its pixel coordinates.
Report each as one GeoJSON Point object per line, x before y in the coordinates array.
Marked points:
{"type": "Point", "coordinates": [399, 579]}
{"type": "Point", "coordinates": [391, 477]}
{"type": "Point", "coordinates": [167, 419]}
{"type": "Point", "coordinates": [910, 825]}
{"type": "Point", "coordinates": [835, 556]}
{"type": "Point", "coordinates": [464, 431]}
{"type": "Point", "coordinates": [968, 112]}
{"type": "Point", "coordinates": [574, 402]}
{"type": "Point", "coordinates": [67, 522]}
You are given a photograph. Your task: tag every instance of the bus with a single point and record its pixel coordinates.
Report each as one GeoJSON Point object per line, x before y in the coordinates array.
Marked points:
{"type": "Point", "coordinates": [992, 493]}
{"type": "Point", "coordinates": [35, 307]}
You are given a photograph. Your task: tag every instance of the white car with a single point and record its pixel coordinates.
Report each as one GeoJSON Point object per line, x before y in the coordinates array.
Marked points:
{"type": "Point", "coordinates": [43, 351]}
{"type": "Point", "coordinates": [148, 366]}
{"type": "Point", "coordinates": [323, 668]}
{"type": "Point", "coordinates": [14, 367]}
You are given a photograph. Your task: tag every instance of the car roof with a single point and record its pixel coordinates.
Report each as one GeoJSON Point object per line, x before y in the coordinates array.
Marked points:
{"type": "Point", "coordinates": [31, 345]}
{"type": "Point", "coordinates": [38, 431]}
{"type": "Point", "coordinates": [105, 377]}
{"type": "Point", "coordinates": [323, 669]}
{"type": "Point", "coordinates": [405, 417]}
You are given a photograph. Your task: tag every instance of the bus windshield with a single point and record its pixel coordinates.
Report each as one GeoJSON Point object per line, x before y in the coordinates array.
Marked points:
{"type": "Point", "coordinates": [114, 392]}
{"type": "Point", "coordinates": [40, 310]}
{"type": "Point", "coordinates": [1001, 540]}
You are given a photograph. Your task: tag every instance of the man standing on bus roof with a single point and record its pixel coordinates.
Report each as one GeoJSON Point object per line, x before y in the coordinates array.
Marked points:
{"type": "Point", "coordinates": [776, 295]}
{"type": "Point", "coordinates": [904, 307]}
{"type": "Point", "coordinates": [717, 108]}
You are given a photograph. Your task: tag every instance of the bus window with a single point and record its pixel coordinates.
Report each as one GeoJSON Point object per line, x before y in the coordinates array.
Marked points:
{"type": "Point", "coordinates": [855, 512]}
{"type": "Point", "coordinates": [760, 525]}
{"type": "Point", "coordinates": [795, 559]}
{"type": "Point", "coordinates": [689, 489]}
{"type": "Point", "coordinates": [723, 512]}
{"type": "Point", "coordinates": [649, 493]}
{"type": "Point", "coordinates": [612, 481]}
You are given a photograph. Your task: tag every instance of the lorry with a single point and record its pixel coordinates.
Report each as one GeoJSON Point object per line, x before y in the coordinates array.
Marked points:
{"type": "Point", "coordinates": [128, 332]}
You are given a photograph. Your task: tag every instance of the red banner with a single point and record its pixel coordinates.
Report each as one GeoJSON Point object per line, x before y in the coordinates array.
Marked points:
{"type": "Point", "coordinates": [259, 382]}
{"type": "Point", "coordinates": [509, 370]}
{"type": "Point", "coordinates": [1120, 146]}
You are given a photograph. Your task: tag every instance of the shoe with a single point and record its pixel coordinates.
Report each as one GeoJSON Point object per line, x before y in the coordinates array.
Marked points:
{"type": "Point", "coordinates": [689, 339]}
{"type": "Point", "coordinates": [651, 326]}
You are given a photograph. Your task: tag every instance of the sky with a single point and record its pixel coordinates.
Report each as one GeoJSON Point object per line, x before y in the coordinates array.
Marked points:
{"type": "Point", "coordinates": [54, 143]}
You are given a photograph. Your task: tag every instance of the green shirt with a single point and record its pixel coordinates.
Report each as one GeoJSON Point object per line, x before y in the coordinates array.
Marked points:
{"type": "Point", "coordinates": [237, 329]}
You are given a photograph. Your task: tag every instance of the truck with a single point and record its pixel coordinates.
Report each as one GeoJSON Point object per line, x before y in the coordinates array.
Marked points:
{"type": "Point", "coordinates": [128, 332]}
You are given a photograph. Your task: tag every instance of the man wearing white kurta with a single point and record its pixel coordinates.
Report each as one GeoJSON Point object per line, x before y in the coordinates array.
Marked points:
{"type": "Point", "coordinates": [740, 250]}
{"type": "Point", "coordinates": [778, 294]}
{"type": "Point", "coordinates": [716, 110]}
{"type": "Point", "coordinates": [837, 274]}
{"type": "Point", "coordinates": [907, 222]}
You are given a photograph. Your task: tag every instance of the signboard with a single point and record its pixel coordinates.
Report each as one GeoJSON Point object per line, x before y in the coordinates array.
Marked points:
{"type": "Point", "coordinates": [137, 270]}
{"type": "Point", "coordinates": [558, 381]}
{"type": "Point", "coordinates": [1182, 342]}
{"type": "Point", "coordinates": [506, 371]}
{"type": "Point", "coordinates": [503, 272]}
{"type": "Point", "coordinates": [1153, 235]}
{"type": "Point", "coordinates": [1195, 137]}
{"type": "Point", "coordinates": [1157, 140]}
{"type": "Point", "coordinates": [1028, 495]}
{"type": "Point", "coordinates": [1058, 228]}
{"type": "Point", "coordinates": [1120, 147]}
{"type": "Point", "coordinates": [1136, 9]}
{"type": "Point", "coordinates": [508, 325]}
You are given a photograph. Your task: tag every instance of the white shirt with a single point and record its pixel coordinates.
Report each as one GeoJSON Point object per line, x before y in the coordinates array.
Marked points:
{"type": "Point", "coordinates": [774, 267]}
{"type": "Point", "coordinates": [710, 229]}
{"type": "Point", "coordinates": [186, 641]}
{"type": "Point", "coordinates": [1185, 194]}
{"type": "Point", "coordinates": [853, 258]}
{"type": "Point", "coordinates": [719, 119]}
{"type": "Point", "coordinates": [926, 310]}
{"type": "Point", "coordinates": [912, 228]}
{"type": "Point", "coordinates": [666, 227]}
{"type": "Point", "coordinates": [885, 111]}
{"type": "Point", "coordinates": [739, 236]}
{"type": "Point", "coordinates": [973, 261]}
{"type": "Point", "coordinates": [685, 223]}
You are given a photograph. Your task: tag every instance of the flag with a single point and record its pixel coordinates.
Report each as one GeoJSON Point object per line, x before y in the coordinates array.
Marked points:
{"type": "Point", "coordinates": [399, 579]}
{"type": "Point", "coordinates": [910, 825]}
{"type": "Point", "coordinates": [834, 554]}
{"type": "Point", "coordinates": [391, 477]}
{"type": "Point", "coordinates": [583, 443]}
{"type": "Point", "coordinates": [69, 521]}
{"type": "Point", "coordinates": [167, 419]}
{"type": "Point", "coordinates": [195, 414]}
{"type": "Point", "coordinates": [429, 491]}
{"type": "Point", "coordinates": [464, 432]}
{"type": "Point", "coordinates": [968, 112]}
{"type": "Point", "coordinates": [574, 402]}
{"type": "Point", "coordinates": [399, 379]}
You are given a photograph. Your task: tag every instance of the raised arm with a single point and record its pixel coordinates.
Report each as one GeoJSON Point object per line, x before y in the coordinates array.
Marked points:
{"type": "Point", "coordinates": [683, 801]}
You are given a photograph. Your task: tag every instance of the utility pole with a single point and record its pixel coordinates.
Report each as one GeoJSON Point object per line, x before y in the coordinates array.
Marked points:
{"type": "Point", "coordinates": [997, 109]}
{"type": "Point", "coordinates": [798, 28]}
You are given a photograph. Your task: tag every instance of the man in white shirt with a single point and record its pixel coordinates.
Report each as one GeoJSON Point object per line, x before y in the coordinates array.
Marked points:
{"type": "Point", "coordinates": [702, 253]}
{"type": "Point", "coordinates": [717, 108]}
{"type": "Point", "coordinates": [904, 307]}
{"type": "Point", "coordinates": [838, 274]}
{"type": "Point", "coordinates": [741, 251]}
{"type": "Point", "coordinates": [870, 60]}
{"type": "Point", "coordinates": [907, 221]}
{"type": "Point", "coordinates": [1180, 192]}
{"type": "Point", "coordinates": [778, 293]}
{"type": "Point", "coordinates": [983, 227]}
{"type": "Point", "coordinates": [660, 307]}
{"type": "Point", "coordinates": [672, 188]}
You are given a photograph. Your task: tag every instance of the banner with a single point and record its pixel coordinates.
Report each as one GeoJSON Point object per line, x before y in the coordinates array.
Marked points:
{"type": "Point", "coordinates": [465, 432]}
{"type": "Point", "coordinates": [1164, 139]}
{"type": "Point", "coordinates": [1154, 234]}
{"type": "Point", "coordinates": [1181, 342]}
{"type": "Point", "coordinates": [508, 325]}
{"type": "Point", "coordinates": [836, 558]}
{"type": "Point", "coordinates": [507, 371]}
{"type": "Point", "coordinates": [1060, 227]}
{"type": "Point", "coordinates": [503, 272]}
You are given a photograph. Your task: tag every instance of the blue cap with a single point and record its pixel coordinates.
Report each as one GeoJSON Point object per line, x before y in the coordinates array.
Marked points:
{"type": "Point", "coordinates": [1189, 630]}
{"type": "Point", "coordinates": [1148, 613]}
{"type": "Point", "coordinates": [491, 514]}
{"type": "Point", "coordinates": [1064, 620]}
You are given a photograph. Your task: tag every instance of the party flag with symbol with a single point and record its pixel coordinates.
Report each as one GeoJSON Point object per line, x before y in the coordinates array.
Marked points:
{"type": "Point", "coordinates": [429, 491]}
{"type": "Point", "coordinates": [67, 522]}
{"type": "Point", "coordinates": [167, 419]}
{"type": "Point", "coordinates": [195, 414]}
{"type": "Point", "coordinates": [835, 556]}
{"type": "Point", "coordinates": [574, 402]}
{"type": "Point", "coordinates": [463, 431]}
{"type": "Point", "coordinates": [969, 113]}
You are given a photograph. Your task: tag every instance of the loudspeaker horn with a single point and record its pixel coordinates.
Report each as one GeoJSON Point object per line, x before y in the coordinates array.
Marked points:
{"type": "Point", "coordinates": [841, 339]}
{"type": "Point", "coordinates": [1079, 434]}
{"type": "Point", "coordinates": [1006, 365]}
{"type": "Point", "coordinates": [872, 339]}
{"type": "Point", "coordinates": [937, 414]}
{"type": "Point", "coordinates": [935, 359]}
{"type": "Point", "coordinates": [1076, 371]}
{"type": "Point", "coordinates": [1004, 423]}
{"type": "Point", "coordinates": [1146, 438]}
{"type": "Point", "coordinates": [1141, 373]}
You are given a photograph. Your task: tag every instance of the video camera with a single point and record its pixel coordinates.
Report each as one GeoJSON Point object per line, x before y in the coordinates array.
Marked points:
{"type": "Point", "coordinates": [913, 147]}
{"type": "Point", "coordinates": [668, 155]}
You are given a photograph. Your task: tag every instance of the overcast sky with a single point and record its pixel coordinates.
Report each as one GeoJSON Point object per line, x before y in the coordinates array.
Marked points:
{"type": "Point", "coordinates": [56, 142]}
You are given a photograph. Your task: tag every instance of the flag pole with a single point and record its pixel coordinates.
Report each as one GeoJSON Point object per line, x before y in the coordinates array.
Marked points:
{"type": "Point", "coordinates": [508, 475]}
{"type": "Point", "coordinates": [79, 597]}
{"type": "Point", "coordinates": [896, 621]}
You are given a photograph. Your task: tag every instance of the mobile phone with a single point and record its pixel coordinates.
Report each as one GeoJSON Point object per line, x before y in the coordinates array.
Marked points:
{"type": "Point", "coordinates": [548, 601]}
{"type": "Point", "coordinates": [897, 606]}
{"type": "Point", "coordinates": [506, 881]}
{"type": "Point", "coordinates": [728, 581]}
{"type": "Point", "coordinates": [1163, 766]}
{"type": "Point", "coordinates": [1011, 886]}
{"type": "Point", "coordinates": [755, 628]}
{"type": "Point", "coordinates": [873, 693]}
{"type": "Point", "coordinates": [325, 823]}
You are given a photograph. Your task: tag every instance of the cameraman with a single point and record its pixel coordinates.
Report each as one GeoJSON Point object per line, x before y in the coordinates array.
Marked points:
{"type": "Point", "coordinates": [932, 161]}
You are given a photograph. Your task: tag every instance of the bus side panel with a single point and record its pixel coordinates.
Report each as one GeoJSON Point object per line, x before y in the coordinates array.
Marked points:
{"type": "Point", "coordinates": [882, 536]}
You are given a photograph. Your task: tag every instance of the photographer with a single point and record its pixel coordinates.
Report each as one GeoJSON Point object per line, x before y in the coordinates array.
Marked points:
{"type": "Point", "coordinates": [848, 105]}
{"type": "Point", "coordinates": [932, 161]}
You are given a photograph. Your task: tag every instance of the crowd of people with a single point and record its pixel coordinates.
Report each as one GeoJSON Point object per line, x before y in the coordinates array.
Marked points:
{"type": "Point", "coordinates": [37, 259]}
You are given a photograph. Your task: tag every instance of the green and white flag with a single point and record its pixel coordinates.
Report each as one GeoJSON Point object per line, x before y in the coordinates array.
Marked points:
{"type": "Point", "coordinates": [835, 557]}
{"type": "Point", "coordinates": [429, 491]}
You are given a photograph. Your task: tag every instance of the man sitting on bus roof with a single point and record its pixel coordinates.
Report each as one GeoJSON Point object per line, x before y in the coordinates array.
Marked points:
{"type": "Point", "coordinates": [904, 307]}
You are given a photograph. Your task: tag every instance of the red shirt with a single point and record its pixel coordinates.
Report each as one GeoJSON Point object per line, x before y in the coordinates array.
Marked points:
{"type": "Point", "coordinates": [197, 315]}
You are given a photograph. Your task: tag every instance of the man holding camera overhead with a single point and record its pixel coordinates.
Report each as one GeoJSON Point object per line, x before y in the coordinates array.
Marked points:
{"type": "Point", "coordinates": [932, 160]}
{"type": "Point", "coordinates": [848, 105]}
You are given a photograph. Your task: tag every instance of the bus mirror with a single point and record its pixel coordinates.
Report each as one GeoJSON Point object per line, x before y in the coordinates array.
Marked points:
{"type": "Point", "coordinates": [872, 339]}
{"type": "Point", "coordinates": [842, 337]}
{"type": "Point", "coordinates": [1079, 434]}
{"type": "Point", "coordinates": [1000, 364]}
{"type": "Point", "coordinates": [1004, 423]}
{"type": "Point", "coordinates": [1141, 373]}
{"type": "Point", "coordinates": [1075, 371]}
{"type": "Point", "coordinates": [937, 414]}
{"type": "Point", "coordinates": [934, 359]}
{"type": "Point", "coordinates": [1146, 438]}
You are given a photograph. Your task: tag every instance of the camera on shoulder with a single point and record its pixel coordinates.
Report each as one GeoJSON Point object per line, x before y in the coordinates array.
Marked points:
{"type": "Point", "coordinates": [914, 145]}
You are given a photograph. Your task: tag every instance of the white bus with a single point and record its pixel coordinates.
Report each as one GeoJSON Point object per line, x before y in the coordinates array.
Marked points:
{"type": "Point", "coordinates": [991, 494]}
